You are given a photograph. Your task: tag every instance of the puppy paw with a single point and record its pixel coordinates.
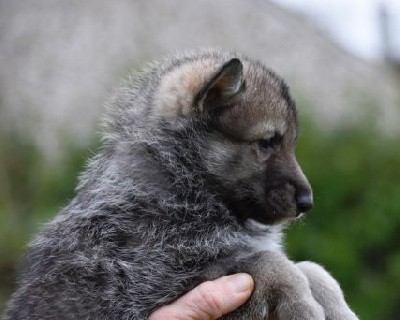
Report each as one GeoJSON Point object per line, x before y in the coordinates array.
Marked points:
{"type": "Point", "coordinates": [326, 291]}
{"type": "Point", "coordinates": [304, 309]}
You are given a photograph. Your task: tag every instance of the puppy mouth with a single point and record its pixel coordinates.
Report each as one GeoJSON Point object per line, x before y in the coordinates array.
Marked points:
{"type": "Point", "coordinates": [272, 213]}
{"type": "Point", "coordinates": [295, 213]}
{"type": "Point", "coordinates": [273, 206]}
{"type": "Point", "coordinates": [280, 204]}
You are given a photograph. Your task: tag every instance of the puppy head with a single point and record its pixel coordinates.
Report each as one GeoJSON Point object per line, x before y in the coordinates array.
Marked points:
{"type": "Point", "coordinates": [252, 130]}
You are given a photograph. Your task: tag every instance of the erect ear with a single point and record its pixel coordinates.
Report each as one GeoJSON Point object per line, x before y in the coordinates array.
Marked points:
{"type": "Point", "coordinates": [222, 86]}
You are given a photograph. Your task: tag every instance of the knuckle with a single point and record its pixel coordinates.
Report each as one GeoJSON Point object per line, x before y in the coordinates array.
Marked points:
{"type": "Point", "coordinates": [160, 314]}
{"type": "Point", "coordinates": [207, 302]}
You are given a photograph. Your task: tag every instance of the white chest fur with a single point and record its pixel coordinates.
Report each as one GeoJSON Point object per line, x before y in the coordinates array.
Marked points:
{"type": "Point", "coordinates": [265, 238]}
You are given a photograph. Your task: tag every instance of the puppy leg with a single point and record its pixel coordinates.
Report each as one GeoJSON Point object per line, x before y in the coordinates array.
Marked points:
{"type": "Point", "coordinates": [281, 289]}
{"type": "Point", "coordinates": [327, 292]}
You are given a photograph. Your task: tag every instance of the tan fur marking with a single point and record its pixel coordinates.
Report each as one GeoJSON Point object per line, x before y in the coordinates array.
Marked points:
{"type": "Point", "coordinates": [178, 88]}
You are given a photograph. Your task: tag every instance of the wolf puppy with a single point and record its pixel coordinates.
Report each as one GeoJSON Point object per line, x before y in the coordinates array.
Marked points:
{"type": "Point", "coordinates": [196, 176]}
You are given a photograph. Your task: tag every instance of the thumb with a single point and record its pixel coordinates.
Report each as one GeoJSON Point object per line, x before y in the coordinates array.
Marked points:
{"type": "Point", "coordinates": [210, 300]}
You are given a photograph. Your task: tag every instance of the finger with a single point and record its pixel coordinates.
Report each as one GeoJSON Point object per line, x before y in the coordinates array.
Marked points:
{"type": "Point", "coordinates": [210, 300]}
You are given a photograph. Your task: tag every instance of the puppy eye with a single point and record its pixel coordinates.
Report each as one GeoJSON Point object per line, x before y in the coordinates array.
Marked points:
{"type": "Point", "coordinates": [271, 143]}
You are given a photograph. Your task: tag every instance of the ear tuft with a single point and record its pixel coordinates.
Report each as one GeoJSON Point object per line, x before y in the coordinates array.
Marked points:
{"type": "Point", "coordinates": [222, 86]}
{"type": "Point", "coordinates": [230, 78]}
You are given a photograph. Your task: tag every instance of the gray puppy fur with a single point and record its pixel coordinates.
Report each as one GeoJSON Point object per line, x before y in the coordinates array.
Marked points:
{"type": "Point", "coordinates": [195, 179]}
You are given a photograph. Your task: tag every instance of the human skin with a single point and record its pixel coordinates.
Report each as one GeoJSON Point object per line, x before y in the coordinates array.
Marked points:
{"type": "Point", "coordinates": [210, 300]}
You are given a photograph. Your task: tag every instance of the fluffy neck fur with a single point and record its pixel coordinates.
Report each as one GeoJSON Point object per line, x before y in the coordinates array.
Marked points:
{"type": "Point", "coordinates": [130, 178]}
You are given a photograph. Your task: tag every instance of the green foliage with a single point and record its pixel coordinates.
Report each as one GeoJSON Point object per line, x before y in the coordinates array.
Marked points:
{"type": "Point", "coordinates": [354, 229]}
{"type": "Point", "coordinates": [31, 192]}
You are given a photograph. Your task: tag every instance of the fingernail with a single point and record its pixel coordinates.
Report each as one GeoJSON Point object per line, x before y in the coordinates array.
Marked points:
{"type": "Point", "coordinates": [240, 282]}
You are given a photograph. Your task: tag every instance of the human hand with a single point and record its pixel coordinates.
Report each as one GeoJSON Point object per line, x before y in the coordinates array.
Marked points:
{"type": "Point", "coordinates": [210, 300]}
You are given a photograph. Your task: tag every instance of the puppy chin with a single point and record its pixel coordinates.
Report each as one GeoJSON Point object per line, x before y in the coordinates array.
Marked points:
{"type": "Point", "coordinates": [300, 215]}
{"type": "Point", "coordinates": [280, 214]}
{"type": "Point", "coordinates": [273, 217]}
{"type": "Point", "coordinates": [263, 211]}
{"type": "Point", "coordinates": [283, 219]}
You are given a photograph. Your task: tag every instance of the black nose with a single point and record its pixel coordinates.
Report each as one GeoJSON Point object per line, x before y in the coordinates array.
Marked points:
{"type": "Point", "coordinates": [304, 202]}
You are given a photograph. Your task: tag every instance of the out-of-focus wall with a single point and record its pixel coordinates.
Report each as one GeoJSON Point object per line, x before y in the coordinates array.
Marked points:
{"type": "Point", "coordinates": [60, 59]}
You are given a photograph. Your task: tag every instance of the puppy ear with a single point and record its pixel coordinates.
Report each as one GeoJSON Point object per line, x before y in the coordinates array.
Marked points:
{"type": "Point", "coordinates": [222, 87]}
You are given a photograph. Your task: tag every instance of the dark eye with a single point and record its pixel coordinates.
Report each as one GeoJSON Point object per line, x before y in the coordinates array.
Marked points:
{"type": "Point", "coordinates": [271, 143]}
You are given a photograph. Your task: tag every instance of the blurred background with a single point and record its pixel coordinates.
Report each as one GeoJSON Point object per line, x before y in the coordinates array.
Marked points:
{"type": "Point", "coordinates": [60, 60]}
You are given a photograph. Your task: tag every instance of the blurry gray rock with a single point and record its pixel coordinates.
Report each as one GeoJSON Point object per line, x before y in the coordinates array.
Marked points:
{"type": "Point", "coordinates": [61, 59]}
